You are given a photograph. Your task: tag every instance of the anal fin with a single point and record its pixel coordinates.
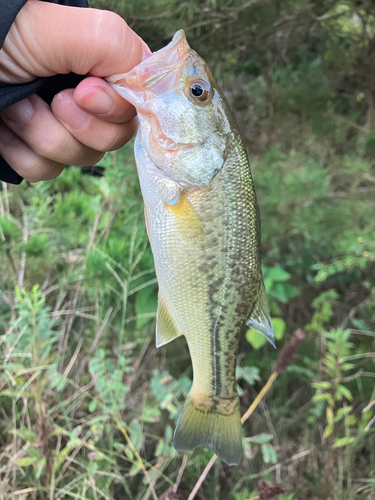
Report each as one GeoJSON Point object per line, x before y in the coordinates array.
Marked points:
{"type": "Point", "coordinates": [166, 330]}
{"type": "Point", "coordinates": [260, 319]}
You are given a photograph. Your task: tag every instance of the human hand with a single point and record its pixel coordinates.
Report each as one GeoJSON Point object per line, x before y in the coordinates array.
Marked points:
{"type": "Point", "coordinates": [82, 123]}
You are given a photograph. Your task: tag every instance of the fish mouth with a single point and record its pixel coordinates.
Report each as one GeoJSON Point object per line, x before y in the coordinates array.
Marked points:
{"type": "Point", "coordinates": [155, 74]}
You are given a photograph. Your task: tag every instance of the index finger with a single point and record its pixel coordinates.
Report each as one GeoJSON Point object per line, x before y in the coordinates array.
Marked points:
{"type": "Point", "coordinates": [61, 39]}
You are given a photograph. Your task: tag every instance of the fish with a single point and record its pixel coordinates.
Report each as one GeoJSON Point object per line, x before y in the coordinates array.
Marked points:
{"type": "Point", "coordinates": [203, 223]}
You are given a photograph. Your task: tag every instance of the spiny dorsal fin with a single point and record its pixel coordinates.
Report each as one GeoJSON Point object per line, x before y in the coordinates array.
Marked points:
{"type": "Point", "coordinates": [260, 319]}
{"type": "Point", "coordinates": [166, 330]}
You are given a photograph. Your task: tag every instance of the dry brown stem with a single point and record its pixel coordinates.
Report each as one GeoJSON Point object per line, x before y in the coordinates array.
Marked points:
{"type": "Point", "coordinates": [288, 351]}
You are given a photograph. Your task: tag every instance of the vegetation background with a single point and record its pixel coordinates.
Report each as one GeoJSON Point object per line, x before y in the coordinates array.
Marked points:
{"type": "Point", "coordinates": [87, 403]}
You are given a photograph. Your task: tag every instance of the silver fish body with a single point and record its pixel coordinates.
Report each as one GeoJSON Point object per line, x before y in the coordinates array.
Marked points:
{"type": "Point", "coordinates": [203, 224]}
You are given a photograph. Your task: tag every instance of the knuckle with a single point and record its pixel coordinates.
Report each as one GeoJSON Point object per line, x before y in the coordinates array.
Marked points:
{"type": "Point", "coordinates": [110, 27]}
{"type": "Point", "coordinates": [107, 140]}
{"type": "Point", "coordinates": [111, 19]}
{"type": "Point", "coordinates": [57, 146]}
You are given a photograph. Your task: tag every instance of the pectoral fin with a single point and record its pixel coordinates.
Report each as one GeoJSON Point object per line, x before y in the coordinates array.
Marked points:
{"type": "Point", "coordinates": [187, 219]}
{"type": "Point", "coordinates": [166, 330]}
{"type": "Point", "coordinates": [260, 319]}
{"type": "Point", "coordinates": [169, 190]}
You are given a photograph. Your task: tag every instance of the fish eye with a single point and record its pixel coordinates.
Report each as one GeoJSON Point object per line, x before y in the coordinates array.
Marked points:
{"type": "Point", "coordinates": [199, 90]}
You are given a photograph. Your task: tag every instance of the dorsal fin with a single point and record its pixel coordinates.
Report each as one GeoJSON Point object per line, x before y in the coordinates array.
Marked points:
{"type": "Point", "coordinates": [166, 330]}
{"type": "Point", "coordinates": [260, 319]}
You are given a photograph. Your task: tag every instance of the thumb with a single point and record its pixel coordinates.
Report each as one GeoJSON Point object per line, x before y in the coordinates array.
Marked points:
{"type": "Point", "coordinates": [48, 39]}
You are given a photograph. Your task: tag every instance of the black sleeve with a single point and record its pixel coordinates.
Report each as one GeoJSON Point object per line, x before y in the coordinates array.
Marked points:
{"type": "Point", "coordinates": [46, 88]}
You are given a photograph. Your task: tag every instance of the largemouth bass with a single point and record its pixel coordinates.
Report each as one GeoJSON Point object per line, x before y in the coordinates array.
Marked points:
{"type": "Point", "coordinates": [203, 223]}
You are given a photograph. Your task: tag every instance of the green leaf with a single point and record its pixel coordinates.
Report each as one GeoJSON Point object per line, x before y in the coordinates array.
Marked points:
{"type": "Point", "coordinates": [61, 457]}
{"type": "Point", "coordinates": [341, 412]}
{"type": "Point", "coordinates": [29, 435]}
{"type": "Point", "coordinates": [41, 466]}
{"type": "Point", "coordinates": [255, 339]}
{"type": "Point", "coordinates": [274, 308]}
{"type": "Point", "coordinates": [269, 454]}
{"type": "Point", "coordinates": [321, 385]}
{"type": "Point", "coordinates": [279, 291]}
{"type": "Point", "coordinates": [168, 433]}
{"type": "Point", "coordinates": [129, 453]}
{"type": "Point", "coordinates": [344, 391]}
{"type": "Point", "coordinates": [135, 469]}
{"type": "Point", "coordinates": [92, 405]}
{"type": "Point", "coordinates": [277, 274]}
{"type": "Point", "coordinates": [248, 373]}
{"type": "Point", "coordinates": [329, 415]}
{"type": "Point", "coordinates": [146, 304]}
{"type": "Point", "coordinates": [151, 414]}
{"type": "Point", "coordinates": [347, 366]}
{"type": "Point", "coordinates": [33, 452]}
{"type": "Point", "coordinates": [278, 328]}
{"type": "Point", "coordinates": [11, 366]}
{"type": "Point", "coordinates": [119, 446]}
{"type": "Point", "coordinates": [339, 443]}
{"type": "Point", "coordinates": [324, 397]}
{"type": "Point", "coordinates": [352, 420]}
{"type": "Point", "coordinates": [26, 461]}
{"type": "Point", "coordinates": [160, 448]}
{"type": "Point", "coordinates": [328, 430]}
{"type": "Point", "coordinates": [104, 187]}
{"type": "Point", "coordinates": [73, 443]}
{"type": "Point", "coordinates": [261, 438]}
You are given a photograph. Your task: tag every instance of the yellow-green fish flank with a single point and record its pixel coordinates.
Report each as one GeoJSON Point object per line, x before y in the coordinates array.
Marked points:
{"type": "Point", "coordinates": [203, 224]}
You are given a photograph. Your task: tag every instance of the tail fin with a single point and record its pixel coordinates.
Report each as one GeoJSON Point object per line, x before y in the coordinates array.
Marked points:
{"type": "Point", "coordinates": [220, 432]}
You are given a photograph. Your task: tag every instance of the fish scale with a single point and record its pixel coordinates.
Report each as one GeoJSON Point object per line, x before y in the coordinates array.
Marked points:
{"type": "Point", "coordinates": [203, 224]}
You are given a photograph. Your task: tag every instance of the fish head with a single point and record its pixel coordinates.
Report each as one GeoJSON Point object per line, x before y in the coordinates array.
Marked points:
{"type": "Point", "coordinates": [183, 118]}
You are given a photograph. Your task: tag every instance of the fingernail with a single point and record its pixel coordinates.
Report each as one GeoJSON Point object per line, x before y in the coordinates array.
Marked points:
{"type": "Point", "coordinates": [20, 113]}
{"type": "Point", "coordinates": [98, 102]}
{"type": "Point", "coordinates": [69, 112]}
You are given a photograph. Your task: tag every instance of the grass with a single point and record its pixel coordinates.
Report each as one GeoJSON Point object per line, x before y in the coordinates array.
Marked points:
{"type": "Point", "coordinates": [87, 403]}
